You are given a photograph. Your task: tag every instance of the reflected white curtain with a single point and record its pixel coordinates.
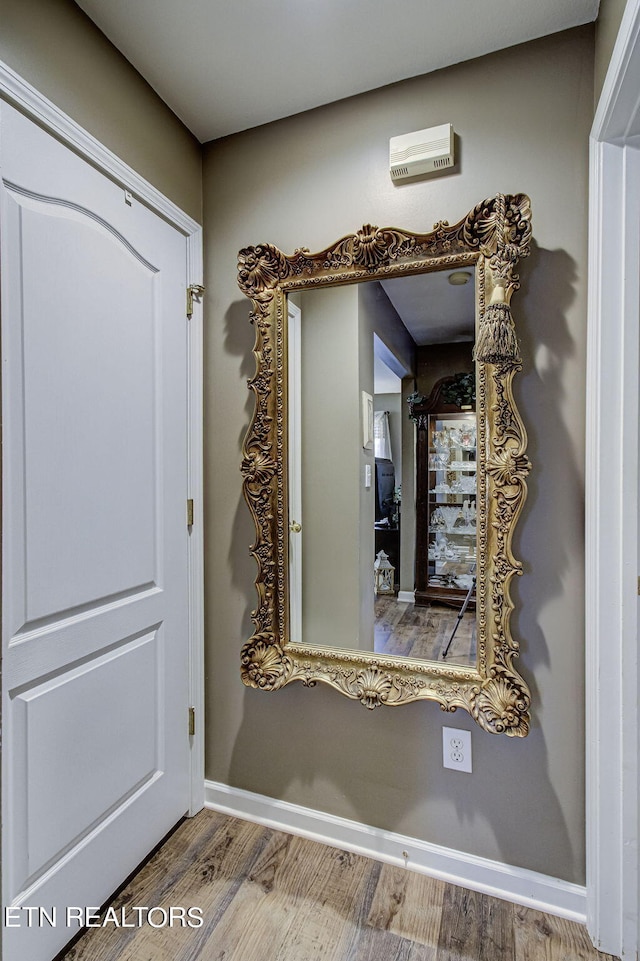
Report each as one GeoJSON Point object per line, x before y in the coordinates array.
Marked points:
{"type": "Point", "coordinates": [381, 434]}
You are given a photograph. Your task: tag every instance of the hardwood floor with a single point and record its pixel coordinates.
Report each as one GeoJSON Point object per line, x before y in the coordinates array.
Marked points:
{"type": "Point", "coordinates": [268, 896]}
{"type": "Point", "coordinates": [406, 630]}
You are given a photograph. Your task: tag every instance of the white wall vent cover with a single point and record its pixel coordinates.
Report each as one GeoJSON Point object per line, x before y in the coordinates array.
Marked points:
{"type": "Point", "coordinates": [421, 152]}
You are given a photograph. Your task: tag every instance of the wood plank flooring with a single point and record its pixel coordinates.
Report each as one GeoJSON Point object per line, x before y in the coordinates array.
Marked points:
{"type": "Point", "coordinates": [269, 896]}
{"type": "Point", "coordinates": [408, 631]}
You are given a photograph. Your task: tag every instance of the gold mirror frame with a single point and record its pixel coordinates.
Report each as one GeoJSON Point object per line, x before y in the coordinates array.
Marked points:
{"type": "Point", "coordinates": [492, 237]}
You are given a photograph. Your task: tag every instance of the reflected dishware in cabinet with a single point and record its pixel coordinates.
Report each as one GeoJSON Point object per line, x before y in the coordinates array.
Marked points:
{"type": "Point", "coordinates": [447, 522]}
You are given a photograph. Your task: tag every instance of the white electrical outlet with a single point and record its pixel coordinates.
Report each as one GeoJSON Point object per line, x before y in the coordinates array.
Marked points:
{"type": "Point", "coordinates": [456, 749]}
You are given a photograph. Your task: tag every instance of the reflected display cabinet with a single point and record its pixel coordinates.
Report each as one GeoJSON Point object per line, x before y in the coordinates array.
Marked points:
{"type": "Point", "coordinates": [446, 494]}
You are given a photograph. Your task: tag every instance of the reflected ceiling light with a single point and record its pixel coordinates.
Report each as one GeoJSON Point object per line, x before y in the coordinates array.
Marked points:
{"type": "Point", "coordinates": [459, 278]}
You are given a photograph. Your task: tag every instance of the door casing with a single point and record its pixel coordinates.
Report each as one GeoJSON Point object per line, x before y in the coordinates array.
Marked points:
{"type": "Point", "coordinates": [612, 515]}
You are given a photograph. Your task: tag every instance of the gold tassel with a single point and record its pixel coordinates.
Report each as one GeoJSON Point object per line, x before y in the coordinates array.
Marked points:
{"type": "Point", "coordinates": [497, 342]}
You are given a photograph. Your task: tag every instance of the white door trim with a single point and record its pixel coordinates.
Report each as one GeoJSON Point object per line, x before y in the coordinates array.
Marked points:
{"type": "Point", "coordinates": [21, 94]}
{"type": "Point", "coordinates": [612, 477]}
{"type": "Point", "coordinates": [294, 353]}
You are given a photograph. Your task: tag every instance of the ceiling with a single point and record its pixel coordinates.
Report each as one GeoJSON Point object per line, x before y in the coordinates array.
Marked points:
{"type": "Point", "coordinates": [226, 66]}
{"type": "Point", "coordinates": [432, 310]}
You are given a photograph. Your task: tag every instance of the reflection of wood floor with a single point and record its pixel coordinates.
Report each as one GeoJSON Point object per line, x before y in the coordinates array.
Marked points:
{"type": "Point", "coordinates": [268, 896]}
{"type": "Point", "coordinates": [409, 631]}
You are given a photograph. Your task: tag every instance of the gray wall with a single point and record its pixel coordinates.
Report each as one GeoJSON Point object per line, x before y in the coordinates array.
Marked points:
{"type": "Point", "coordinates": [522, 117]}
{"type": "Point", "coordinates": [331, 456]}
{"type": "Point", "coordinates": [607, 26]}
{"type": "Point", "coordinates": [367, 324]}
{"type": "Point", "coordinates": [54, 46]}
{"type": "Point", "coordinates": [435, 361]}
{"type": "Point", "coordinates": [386, 323]}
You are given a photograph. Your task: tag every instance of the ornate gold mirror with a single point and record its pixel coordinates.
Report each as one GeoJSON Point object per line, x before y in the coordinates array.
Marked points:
{"type": "Point", "coordinates": [323, 486]}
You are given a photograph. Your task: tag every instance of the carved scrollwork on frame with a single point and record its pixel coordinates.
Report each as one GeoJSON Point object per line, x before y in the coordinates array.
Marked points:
{"type": "Point", "coordinates": [493, 237]}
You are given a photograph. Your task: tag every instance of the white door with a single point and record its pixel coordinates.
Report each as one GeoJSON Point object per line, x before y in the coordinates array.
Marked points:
{"type": "Point", "coordinates": [95, 597]}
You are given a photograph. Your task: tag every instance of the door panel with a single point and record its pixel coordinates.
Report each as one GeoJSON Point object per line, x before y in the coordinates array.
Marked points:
{"type": "Point", "coordinates": [68, 722]}
{"type": "Point", "coordinates": [88, 411]}
{"type": "Point", "coordinates": [95, 542]}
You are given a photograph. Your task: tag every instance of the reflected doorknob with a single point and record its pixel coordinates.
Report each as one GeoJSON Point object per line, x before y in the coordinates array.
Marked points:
{"type": "Point", "coordinates": [295, 527]}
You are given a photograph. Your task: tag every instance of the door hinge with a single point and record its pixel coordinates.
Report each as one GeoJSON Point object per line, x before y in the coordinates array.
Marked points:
{"type": "Point", "coordinates": [190, 512]}
{"type": "Point", "coordinates": [193, 290]}
{"type": "Point", "coordinates": [192, 721]}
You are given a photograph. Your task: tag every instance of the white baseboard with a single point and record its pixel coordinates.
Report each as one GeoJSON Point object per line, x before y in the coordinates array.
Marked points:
{"type": "Point", "coordinates": [518, 885]}
{"type": "Point", "coordinates": [407, 597]}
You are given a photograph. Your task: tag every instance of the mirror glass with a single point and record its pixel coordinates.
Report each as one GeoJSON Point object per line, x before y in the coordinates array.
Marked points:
{"type": "Point", "coordinates": [382, 467]}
